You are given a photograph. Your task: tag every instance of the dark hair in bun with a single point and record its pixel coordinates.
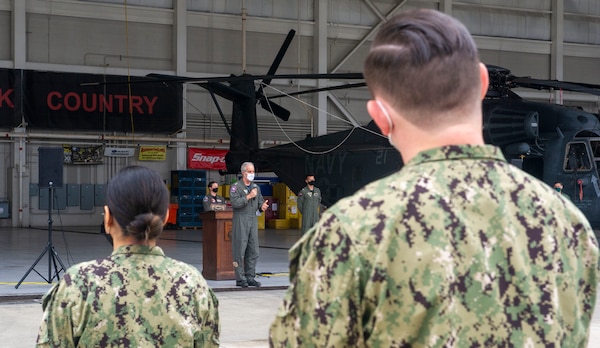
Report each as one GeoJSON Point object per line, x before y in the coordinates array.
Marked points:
{"type": "Point", "coordinates": [138, 200]}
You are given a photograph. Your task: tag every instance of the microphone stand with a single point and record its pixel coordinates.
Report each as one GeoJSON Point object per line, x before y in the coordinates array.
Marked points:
{"type": "Point", "coordinates": [52, 254]}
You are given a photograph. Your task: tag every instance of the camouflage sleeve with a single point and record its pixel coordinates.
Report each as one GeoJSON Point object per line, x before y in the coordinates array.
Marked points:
{"type": "Point", "coordinates": [208, 310]}
{"type": "Point", "coordinates": [322, 307]}
{"type": "Point", "coordinates": [60, 305]}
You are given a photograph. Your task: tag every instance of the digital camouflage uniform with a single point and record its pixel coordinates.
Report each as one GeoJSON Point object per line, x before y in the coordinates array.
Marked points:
{"type": "Point", "coordinates": [244, 240]}
{"type": "Point", "coordinates": [308, 204]}
{"type": "Point", "coordinates": [137, 297]}
{"type": "Point", "coordinates": [209, 199]}
{"type": "Point", "coordinates": [457, 249]}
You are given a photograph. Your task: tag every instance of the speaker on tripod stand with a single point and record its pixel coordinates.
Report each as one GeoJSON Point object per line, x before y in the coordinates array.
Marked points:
{"type": "Point", "coordinates": [50, 177]}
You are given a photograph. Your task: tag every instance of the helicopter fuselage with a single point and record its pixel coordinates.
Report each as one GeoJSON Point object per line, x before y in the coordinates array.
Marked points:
{"type": "Point", "coordinates": [552, 142]}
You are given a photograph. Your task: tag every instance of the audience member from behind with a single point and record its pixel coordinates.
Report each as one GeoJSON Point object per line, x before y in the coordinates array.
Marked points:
{"type": "Point", "coordinates": [136, 297]}
{"type": "Point", "coordinates": [458, 248]}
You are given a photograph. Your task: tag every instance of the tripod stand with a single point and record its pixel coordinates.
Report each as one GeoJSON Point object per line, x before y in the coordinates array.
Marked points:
{"type": "Point", "coordinates": [52, 254]}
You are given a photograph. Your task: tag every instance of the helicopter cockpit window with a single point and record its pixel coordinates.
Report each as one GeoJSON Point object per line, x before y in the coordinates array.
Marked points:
{"type": "Point", "coordinates": [595, 144]}
{"type": "Point", "coordinates": [578, 158]}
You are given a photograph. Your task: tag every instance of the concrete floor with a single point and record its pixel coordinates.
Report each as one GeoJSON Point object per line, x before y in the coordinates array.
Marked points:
{"type": "Point", "coordinates": [19, 249]}
{"type": "Point", "coordinates": [245, 314]}
{"type": "Point", "coordinates": [20, 309]}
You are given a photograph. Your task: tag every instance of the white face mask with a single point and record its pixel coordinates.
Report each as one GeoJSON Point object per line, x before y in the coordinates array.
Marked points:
{"type": "Point", "coordinates": [250, 176]}
{"type": "Point", "coordinates": [387, 116]}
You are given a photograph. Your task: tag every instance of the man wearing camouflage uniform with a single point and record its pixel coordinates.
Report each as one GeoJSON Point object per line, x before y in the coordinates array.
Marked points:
{"type": "Point", "coordinates": [247, 203]}
{"type": "Point", "coordinates": [458, 248]}
{"type": "Point", "coordinates": [309, 200]}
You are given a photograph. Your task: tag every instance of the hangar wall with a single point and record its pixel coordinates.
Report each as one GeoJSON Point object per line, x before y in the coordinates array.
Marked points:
{"type": "Point", "coordinates": [539, 38]}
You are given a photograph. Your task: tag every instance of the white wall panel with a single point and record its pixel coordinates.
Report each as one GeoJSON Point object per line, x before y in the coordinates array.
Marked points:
{"type": "Point", "coordinates": [289, 9]}
{"type": "Point", "coordinates": [591, 7]}
{"type": "Point", "coordinates": [520, 64]}
{"type": "Point", "coordinates": [80, 41]}
{"type": "Point", "coordinates": [582, 31]}
{"type": "Point", "coordinates": [543, 5]}
{"type": "Point", "coordinates": [505, 23]}
{"type": "Point", "coordinates": [5, 35]}
{"type": "Point", "coordinates": [580, 69]}
{"type": "Point", "coordinates": [146, 3]}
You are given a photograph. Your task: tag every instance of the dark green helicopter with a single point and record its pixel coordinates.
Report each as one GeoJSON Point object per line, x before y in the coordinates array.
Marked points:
{"type": "Point", "coordinates": [554, 143]}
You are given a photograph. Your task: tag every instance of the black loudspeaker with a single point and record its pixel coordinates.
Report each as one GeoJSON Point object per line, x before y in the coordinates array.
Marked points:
{"type": "Point", "coordinates": [51, 166]}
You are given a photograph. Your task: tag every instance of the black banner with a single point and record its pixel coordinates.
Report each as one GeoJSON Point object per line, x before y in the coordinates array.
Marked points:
{"type": "Point", "coordinates": [9, 109]}
{"type": "Point", "coordinates": [59, 101]}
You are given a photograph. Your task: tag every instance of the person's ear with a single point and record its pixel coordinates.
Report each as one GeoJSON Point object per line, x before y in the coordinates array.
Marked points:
{"type": "Point", "coordinates": [108, 219]}
{"type": "Point", "coordinates": [484, 78]}
{"type": "Point", "coordinates": [166, 218]}
{"type": "Point", "coordinates": [378, 115]}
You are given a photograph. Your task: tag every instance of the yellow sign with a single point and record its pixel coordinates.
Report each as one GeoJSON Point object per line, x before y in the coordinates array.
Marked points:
{"type": "Point", "coordinates": [153, 153]}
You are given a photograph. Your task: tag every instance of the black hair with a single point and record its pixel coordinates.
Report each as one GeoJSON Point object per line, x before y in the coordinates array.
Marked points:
{"type": "Point", "coordinates": [211, 183]}
{"type": "Point", "coordinates": [138, 200]}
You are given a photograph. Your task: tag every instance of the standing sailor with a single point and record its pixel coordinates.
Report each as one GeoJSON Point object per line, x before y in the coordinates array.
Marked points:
{"type": "Point", "coordinates": [309, 200]}
{"type": "Point", "coordinates": [248, 203]}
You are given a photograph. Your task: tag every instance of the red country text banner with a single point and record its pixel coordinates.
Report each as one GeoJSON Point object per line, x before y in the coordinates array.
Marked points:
{"type": "Point", "coordinates": [206, 158]}
{"type": "Point", "coordinates": [75, 101]}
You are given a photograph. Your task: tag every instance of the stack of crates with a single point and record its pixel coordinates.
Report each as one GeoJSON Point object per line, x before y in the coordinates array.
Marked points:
{"type": "Point", "coordinates": [189, 188]}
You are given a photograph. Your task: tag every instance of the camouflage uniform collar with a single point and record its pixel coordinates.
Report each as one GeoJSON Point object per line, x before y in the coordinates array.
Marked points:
{"type": "Point", "coordinates": [138, 249]}
{"type": "Point", "coordinates": [454, 152]}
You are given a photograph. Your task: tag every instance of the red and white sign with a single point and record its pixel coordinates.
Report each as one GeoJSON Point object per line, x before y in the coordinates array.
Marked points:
{"type": "Point", "coordinates": [206, 158]}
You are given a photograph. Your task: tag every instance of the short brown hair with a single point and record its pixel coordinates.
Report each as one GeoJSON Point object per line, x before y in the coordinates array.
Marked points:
{"type": "Point", "coordinates": [423, 62]}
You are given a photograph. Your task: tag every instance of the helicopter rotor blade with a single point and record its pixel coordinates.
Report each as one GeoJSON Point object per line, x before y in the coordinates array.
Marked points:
{"type": "Point", "coordinates": [224, 91]}
{"type": "Point", "coordinates": [275, 109]}
{"type": "Point", "coordinates": [322, 89]}
{"type": "Point", "coordinates": [284, 47]}
{"type": "Point", "coordinates": [161, 78]}
{"type": "Point", "coordinates": [181, 79]}
{"type": "Point", "coordinates": [556, 85]}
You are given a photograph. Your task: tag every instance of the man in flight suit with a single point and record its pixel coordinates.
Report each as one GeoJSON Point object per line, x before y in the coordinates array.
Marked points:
{"type": "Point", "coordinates": [309, 200]}
{"type": "Point", "coordinates": [248, 203]}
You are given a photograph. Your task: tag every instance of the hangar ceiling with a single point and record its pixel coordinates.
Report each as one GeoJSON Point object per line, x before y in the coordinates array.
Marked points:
{"type": "Point", "coordinates": [544, 39]}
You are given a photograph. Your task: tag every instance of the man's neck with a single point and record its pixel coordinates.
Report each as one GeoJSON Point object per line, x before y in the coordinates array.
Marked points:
{"type": "Point", "coordinates": [415, 140]}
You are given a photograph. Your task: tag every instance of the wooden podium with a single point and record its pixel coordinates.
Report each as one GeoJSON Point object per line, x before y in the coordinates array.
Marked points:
{"type": "Point", "coordinates": [217, 258]}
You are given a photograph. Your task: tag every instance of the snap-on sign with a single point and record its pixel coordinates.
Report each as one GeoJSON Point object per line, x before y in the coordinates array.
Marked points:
{"type": "Point", "coordinates": [206, 158]}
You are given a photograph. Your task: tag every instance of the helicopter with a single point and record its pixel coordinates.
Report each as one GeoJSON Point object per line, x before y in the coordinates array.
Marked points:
{"type": "Point", "coordinates": [554, 143]}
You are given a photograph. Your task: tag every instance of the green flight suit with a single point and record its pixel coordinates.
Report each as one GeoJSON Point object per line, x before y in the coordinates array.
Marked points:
{"type": "Point", "coordinates": [308, 204]}
{"type": "Point", "coordinates": [244, 234]}
{"type": "Point", "coordinates": [209, 199]}
{"type": "Point", "coordinates": [457, 249]}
